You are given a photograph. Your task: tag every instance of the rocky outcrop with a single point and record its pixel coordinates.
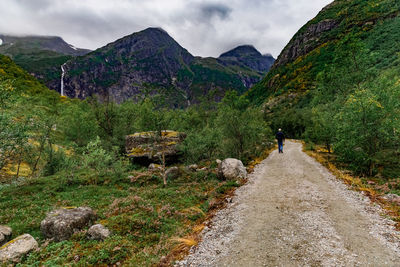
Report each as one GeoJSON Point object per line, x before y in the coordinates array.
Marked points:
{"type": "Point", "coordinates": [98, 232]}
{"type": "Point", "coordinates": [5, 234]}
{"type": "Point", "coordinates": [146, 147]}
{"type": "Point", "coordinates": [305, 41]}
{"type": "Point", "coordinates": [231, 169]}
{"type": "Point", "coordinates": [61, 224]}
{"type": "Point", "coordinates": [16, 248]}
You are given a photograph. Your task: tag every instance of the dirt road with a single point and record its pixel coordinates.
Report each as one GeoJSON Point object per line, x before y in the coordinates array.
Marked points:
{"type": "Point", "coordinates": [293, 212]}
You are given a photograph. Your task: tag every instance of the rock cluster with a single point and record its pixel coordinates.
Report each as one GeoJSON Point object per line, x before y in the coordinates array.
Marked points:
{"type": "Point", "coordinates": [61, 224]}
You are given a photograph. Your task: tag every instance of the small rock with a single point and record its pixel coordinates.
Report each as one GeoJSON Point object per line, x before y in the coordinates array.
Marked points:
{"type": "Point", "coordinates": [98, 232]}
{"type": "Point", "coordinates": [77, 258]}
{"type": "Point", "coordinates": [18, 247]}
{"type": "Point", "coordinates": [218, 161]}
{"type": "Point", "coordinates": [202, 169]}
{"type": "Point", "coordinates": [155, 167]}
{"type": "Point", "coordinates": [5, 234]}
{"type": "Point", "coordinates": [172, 172]}
{"type": "Point", "coordinates": [61, 224]}
{"type": "Point", "coordinates": [232, 169]}
{"type": "Point", "coordinates": [193, 167]}
{"type": "Point", "coordinates": [392, 198]}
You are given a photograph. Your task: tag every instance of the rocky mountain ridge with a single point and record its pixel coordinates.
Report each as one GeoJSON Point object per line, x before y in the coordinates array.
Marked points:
{"type": "Point", "coordinates": [151, 62]}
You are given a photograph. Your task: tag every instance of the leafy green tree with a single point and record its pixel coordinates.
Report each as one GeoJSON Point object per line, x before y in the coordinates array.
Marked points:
{"type": "Point", "coordinates": [368, 124]}
{"type": "Point", "coordinates": [243, 129]}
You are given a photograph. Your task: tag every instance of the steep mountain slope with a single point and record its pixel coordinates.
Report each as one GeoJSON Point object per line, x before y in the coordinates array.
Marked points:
{"type": "Point", "coordinates": [41, 56]}
{"type": "Point", "coordinates": [21, 80]}
{"type": "Point", "coordinates": [150, 62]}
{"type": "Point", "coordinates": [346, 37]}
{"type": "Point", "coordinates": [339, 26]}
{"type": "Point", "coordinates": [337, 83]}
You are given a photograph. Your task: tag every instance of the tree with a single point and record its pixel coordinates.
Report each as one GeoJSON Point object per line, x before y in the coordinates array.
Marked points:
{"type": "Point", "coordinates": [368, 123]}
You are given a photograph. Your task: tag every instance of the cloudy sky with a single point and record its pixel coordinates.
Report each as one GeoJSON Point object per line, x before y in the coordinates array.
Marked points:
{"type": "Point", "coordinates": [204, 27]}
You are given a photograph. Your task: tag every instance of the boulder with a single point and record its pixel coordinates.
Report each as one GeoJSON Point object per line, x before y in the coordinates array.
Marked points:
{"type": "Point", "coordinates": [98, 232]}
{"type": "Point", "coordinates": [231, 169]}
{"type": "Point", "coordinates": [61, 224]}
{"type": "Point", "coordinates": [148, 147]}
{"type": "Point", "coordinates": [172, 173]}
{"type": "Point", "coordinates": [18, 247]}
{"type": "Point", "coordinates": [5, 234]}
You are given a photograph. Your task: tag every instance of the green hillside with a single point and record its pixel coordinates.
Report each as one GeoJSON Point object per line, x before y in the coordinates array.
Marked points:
{"type": "Point", "coordinates": [22, 81]}
{"type": "Point", "coordinates": [337, 83]}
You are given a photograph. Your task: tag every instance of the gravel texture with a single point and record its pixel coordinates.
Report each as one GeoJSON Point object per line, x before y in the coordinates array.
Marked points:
{"type": "Point", "coordinates": [294, 212]}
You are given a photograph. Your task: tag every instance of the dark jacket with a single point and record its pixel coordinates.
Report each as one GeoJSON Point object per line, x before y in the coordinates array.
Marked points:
{"type": "Point", "coordinates": [280, 137]}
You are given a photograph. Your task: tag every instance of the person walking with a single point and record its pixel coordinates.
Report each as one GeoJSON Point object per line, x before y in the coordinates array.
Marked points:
{"type": "Point", "coordinates": [281, 138]}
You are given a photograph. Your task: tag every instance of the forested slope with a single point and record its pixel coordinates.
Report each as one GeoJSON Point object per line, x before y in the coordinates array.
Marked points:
{"type": "Point", "coordinates": [337, 82]}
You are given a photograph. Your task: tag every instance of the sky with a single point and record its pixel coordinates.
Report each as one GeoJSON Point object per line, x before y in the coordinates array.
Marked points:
{"type": "Point", "coordinates": [204, 27]}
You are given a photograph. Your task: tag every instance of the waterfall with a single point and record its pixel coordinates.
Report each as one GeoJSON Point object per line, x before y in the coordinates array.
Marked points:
{"type": "Point", "coordinates": [62, 79]}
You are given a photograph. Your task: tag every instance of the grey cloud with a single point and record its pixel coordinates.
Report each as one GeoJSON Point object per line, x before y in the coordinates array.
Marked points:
{"type": "Point", "coordinates": [215, 10]}
{"type": "Point", "coordinates": [204, 27]}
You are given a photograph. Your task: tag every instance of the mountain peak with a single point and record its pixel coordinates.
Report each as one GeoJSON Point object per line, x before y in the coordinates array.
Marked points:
{"type": "Point", "coordinates": [242, 50]}
{"type": "Point", "coordinates": [155, 30]}
{"type": "Point", "coordinates": [248, 56]}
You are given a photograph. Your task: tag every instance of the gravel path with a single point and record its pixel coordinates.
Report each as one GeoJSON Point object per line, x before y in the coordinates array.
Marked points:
{"type": "Point", "coordinates": [293, 212]}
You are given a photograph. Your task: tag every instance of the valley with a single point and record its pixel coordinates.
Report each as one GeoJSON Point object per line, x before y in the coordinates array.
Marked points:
{"type": "Point", "coordinates": [139, 153]}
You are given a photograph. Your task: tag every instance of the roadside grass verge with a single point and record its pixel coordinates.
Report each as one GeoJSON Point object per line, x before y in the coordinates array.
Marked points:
{"type": "Point", "coordinates": [145, 218]}
{"type": "Point", "coordinates": [373, 187]}
{"type": "Point", "coordinates": [151, 225]}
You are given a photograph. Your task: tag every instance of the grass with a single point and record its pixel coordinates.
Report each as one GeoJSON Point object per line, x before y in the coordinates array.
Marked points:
{"type": "Point", "coordinates": [147, 221]}
{"type": "Point", "coordinates": [373, 187]}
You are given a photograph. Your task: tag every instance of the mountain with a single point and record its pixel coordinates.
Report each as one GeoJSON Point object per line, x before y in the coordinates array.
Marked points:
{"type": "Point", "coordinates": [21, 44]}
{"type": "Point", "coordinates": [343, 47]}
{"type": "Point", "coordinates": [150, 62]}
{"type": "Point", "coordinates": [41, 56]}
{"type": "Point", "coordinates": [247, 56]}
{"type": "Point", "coordinates": [24, 84]}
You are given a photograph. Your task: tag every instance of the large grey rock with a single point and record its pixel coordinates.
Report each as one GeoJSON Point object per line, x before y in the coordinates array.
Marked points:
{"type": "Point", "coordinates": [172, 172]}
{"type": "Point", "coordinates": [98, 232]}
{"type": "Point", "coordinates": [232, 169]}
{"type": "Point", "coordinates": [5, 234]}
{"type": "Point", "coordinates": [61, 224]}
{"type": "Point", "coordinates": [18, 247]}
